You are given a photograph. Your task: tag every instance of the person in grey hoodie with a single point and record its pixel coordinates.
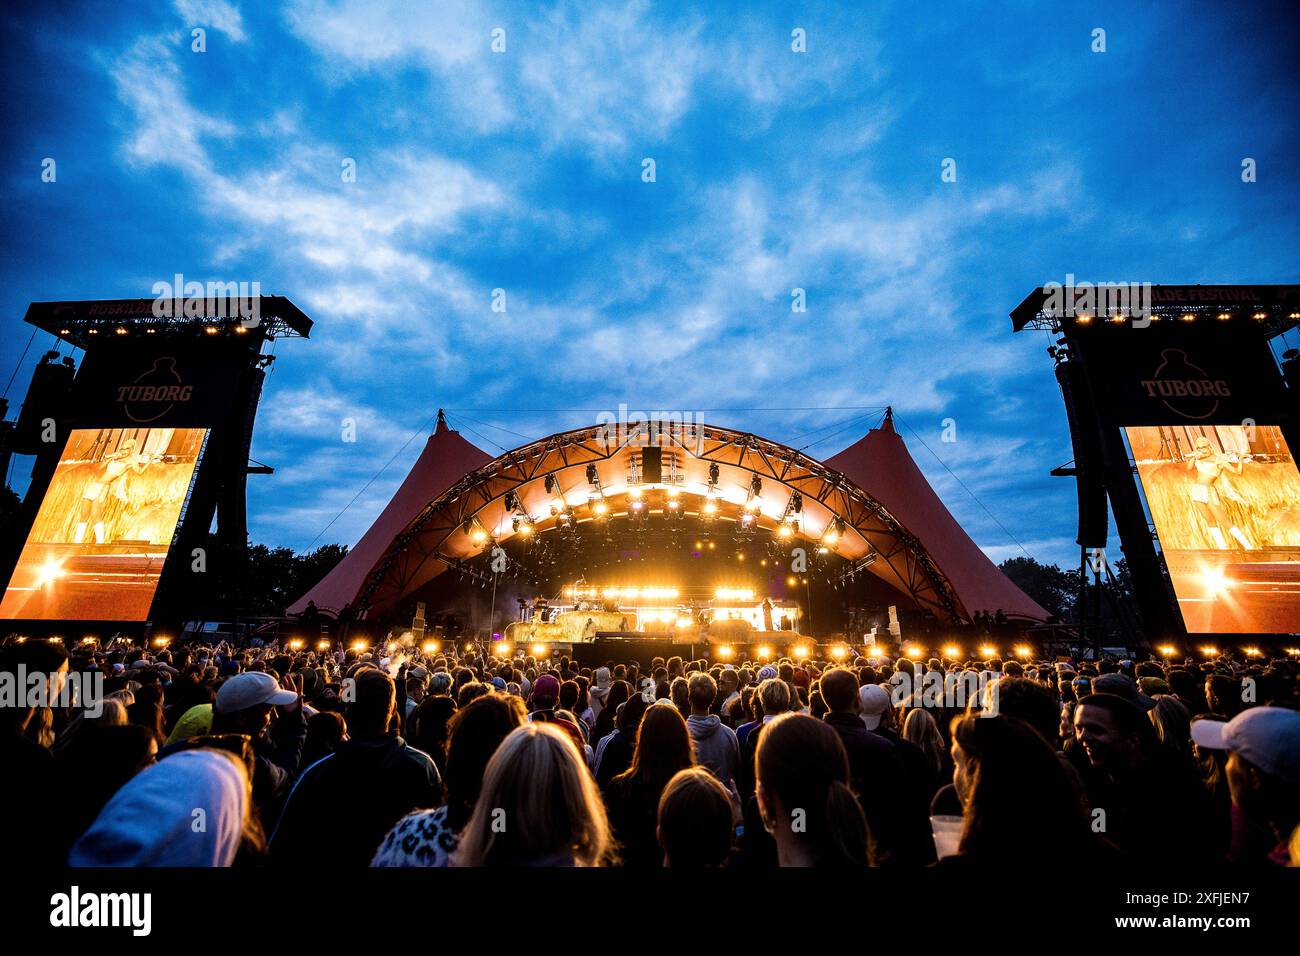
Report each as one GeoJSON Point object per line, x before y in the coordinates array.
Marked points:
{"type": "Point", "coordinates": [597, 695]}
{"type": "Point", "coordinates": [716, 747]}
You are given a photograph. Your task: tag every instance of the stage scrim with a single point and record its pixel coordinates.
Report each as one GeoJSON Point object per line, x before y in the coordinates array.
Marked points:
{"type": "Point", "coordinates": [1225, 500]}
{"type": "Point", "coordinates": [105, 525]}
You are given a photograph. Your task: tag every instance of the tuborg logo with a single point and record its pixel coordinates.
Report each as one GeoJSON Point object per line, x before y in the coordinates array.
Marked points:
{"type": "Point", "coordinates": [1185, 389]}
{"type": "Point", "coordinates": [155, 393]}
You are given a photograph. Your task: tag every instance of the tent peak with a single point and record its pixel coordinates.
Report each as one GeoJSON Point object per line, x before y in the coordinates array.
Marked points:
{"type": "Point", "coordinates": [887, 424]}
{"type": "Point", "coordinates": [442, 423]}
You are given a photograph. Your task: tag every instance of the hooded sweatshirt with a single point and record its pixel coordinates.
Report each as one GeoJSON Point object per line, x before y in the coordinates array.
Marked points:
{"type": "Point", "coordinates": [597, 694]}
{"type": "Point", "coordinates": [716, 747]}
{"type": "Point", "coordinates": [151, 820]}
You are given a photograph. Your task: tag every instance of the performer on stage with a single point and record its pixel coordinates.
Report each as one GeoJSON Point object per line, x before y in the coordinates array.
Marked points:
{"type": "Point", "coordinates": [98, 495]}
{"type": "Point", "coordinates": [1210, 467]}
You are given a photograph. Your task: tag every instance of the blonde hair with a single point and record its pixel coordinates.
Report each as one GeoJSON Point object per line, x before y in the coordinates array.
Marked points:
{"type": "Point", "coordinates": [112, 714]}
{"type": "Point", "coordinates": [538, 802]}
{"type": "Point", "coordinates": [919, 728]}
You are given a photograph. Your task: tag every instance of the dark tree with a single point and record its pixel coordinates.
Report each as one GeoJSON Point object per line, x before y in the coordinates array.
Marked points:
{"type": "Point", "coordinates": [276, 577]}
{"type": "Point", "coordinates": [1054, 589]}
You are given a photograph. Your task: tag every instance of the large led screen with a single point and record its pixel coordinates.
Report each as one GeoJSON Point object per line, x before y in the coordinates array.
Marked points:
{"type": "Point", "coordinates": [1225, 500]}
{"type": "Point", "coordinates": [105, 525]}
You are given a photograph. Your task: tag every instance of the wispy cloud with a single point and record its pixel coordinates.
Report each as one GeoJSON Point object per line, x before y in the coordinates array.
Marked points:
{"type": "Point", "coordinates": [777, 170]}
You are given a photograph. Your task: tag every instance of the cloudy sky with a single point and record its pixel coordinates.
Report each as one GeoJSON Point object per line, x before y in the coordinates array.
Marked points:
{"type": "Point", "coordinates": [523, 170]}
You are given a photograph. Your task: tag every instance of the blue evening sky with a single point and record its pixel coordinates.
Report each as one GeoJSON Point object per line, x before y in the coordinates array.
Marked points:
{"type": "Point", "coordinates": [522, 171]}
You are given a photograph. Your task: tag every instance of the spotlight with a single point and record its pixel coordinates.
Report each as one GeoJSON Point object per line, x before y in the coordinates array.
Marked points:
{"type": "Point", "coordinates": [988, 651]}
{"type": "Point", "coordinates": [1167, 650]}
{"type": "Point", "coordinates": [51, 570]}
{"type": "Point", "coordinates": [915, 652]}
{"type": "Point", "coordinates": [839, 651]}
{"type": "Point", "coordinates": [430, 647]}
{"type": "Point", "coordinates": [322, 645]}
{"type": "Point", "coordinates": [1209, 650]}
{"type": "Point", "coordinates": [1024, 650]}
{"type": "Point", "coordinates": [764, 652]}
{"type": "Point", "coordinates": [1215, 580]}
{"type": "Point", "coordinates": [539, 650]}
{"type": "Point", "coordinates": [477, 534]}
{"type": "Point", "coordinates": [501, 649]}
{"type": "Point", "coordinates": [801, 653]}
{"type": "Point", "coordinates": [952, 652]}
{"type": "Point", "coordinates": [725, 651]}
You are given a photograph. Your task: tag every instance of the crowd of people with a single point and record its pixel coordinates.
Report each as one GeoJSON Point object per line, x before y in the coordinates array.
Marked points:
{"type": "Point", "coordinates": [215, 755]}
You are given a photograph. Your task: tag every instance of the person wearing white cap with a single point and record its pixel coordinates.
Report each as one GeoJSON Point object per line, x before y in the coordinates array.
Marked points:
{"type": "Point", "coordinates": [1263, 745]}
{"type": "Point", "coordinates": [246, 704]}
{"type": "Point", "coordinates": [875, 705]}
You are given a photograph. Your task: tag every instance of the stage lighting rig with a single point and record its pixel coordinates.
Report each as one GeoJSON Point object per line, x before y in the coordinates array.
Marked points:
{"type": "Point", "coordinates": [560, 507]}
{"type": "Point", "coordinates": [521, 521]}
{"type": "Point", "coordinates": [478, 535]}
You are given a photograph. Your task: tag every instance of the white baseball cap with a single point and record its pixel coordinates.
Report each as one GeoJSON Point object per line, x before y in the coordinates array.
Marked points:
{"type": "Point", "coordinates": [251, 689]}
{"type": "Point", "coordinates": [1268, 737]}
{"type": "Point", "coordinates": [875, 701]}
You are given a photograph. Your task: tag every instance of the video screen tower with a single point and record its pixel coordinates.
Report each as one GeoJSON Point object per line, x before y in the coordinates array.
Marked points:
{"type": "Point", "coordinates": [136, 510]}
{"type": "Point", "coordinates": [1184, 418]}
